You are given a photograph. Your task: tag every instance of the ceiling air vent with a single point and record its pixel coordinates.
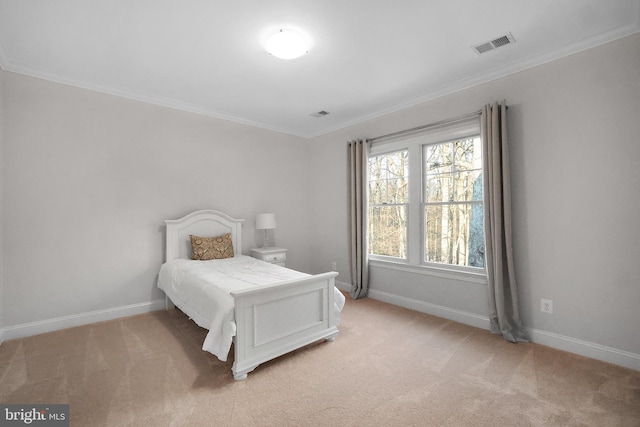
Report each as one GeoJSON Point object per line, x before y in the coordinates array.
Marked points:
{"type": "Point", "coordinates": [320, 114]}
{"type": "Point", "coordinates": [494, 44]}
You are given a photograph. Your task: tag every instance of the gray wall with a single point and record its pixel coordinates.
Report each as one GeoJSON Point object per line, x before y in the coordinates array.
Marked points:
{"type": "Point", "coordinates": [90, 179]}
{"type": "Point", "coordinates": [574, 131]}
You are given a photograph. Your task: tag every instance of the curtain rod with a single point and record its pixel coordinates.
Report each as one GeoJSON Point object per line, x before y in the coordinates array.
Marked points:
{"type": "Point", "coordinates": [430, 125]}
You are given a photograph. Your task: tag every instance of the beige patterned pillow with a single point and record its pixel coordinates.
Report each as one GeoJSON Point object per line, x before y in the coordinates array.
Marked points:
{"type": "Point", "coordinates": [205, 248]}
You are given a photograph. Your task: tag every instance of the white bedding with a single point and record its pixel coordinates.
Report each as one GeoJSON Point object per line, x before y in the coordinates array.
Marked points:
{"type": "Point", "coordinates": [202, 289]}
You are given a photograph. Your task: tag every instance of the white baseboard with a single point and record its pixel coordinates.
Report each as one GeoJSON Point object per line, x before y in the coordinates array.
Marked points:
{"type": "Point", "coordinates": [433, 309]}
{"type": "Point", "coordinates": [50, 325]}
{"type": "Point", "coordinates": [586, 348]}
{"type": "Point", "coordinates": [345, 287]}
{"type": "Point", "coordinates": [560, 342]}
{"type": "Point", "coordinates": [550, 339]}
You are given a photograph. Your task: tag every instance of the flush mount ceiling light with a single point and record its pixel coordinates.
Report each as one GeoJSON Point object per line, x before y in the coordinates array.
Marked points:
{"type": "Point", "coordinates": [287, 44]}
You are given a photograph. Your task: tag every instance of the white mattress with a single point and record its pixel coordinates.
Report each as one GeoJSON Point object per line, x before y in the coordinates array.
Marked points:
{"type": "Point", "coordinates": [202, 290]}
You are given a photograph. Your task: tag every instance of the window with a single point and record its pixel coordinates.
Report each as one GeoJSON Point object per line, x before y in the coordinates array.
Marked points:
{"type": "Point", "coordinates": [388, 200]}
{"type": "Point", "coordinates": [453, 210]}
{"type": "Point", "coordinates": [426, 200]}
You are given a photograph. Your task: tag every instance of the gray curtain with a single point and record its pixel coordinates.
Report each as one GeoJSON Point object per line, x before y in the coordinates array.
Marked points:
{"type": "Point", "coordinates": [358, 205]}
{"type": "Point", "coordinates": [504, 314]}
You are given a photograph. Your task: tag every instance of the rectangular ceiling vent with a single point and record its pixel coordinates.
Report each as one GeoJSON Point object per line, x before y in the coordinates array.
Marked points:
{"type": "Point", "coordinates": [494, 44]}
{"type": "Point", "coordinates": [320, 114]}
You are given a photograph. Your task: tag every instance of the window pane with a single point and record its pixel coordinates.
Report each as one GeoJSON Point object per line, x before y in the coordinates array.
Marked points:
{"type": "Point", "coordinates": [439, 188]}
{"type": "Point", "coordinates": [388, 178]}
{"type": "Point", "coordinates": [454, 234]}
{"type": "Point", "coordinates": [438, 158]}
{"type": "Point", "coordinates": [468, 154]}
{"type": "Point", "coordinates": [397, 190]}
{"type": "Point", "coordinates": [454, 229]}
{"type": "Point", "coordinates": [434, 238]}
{"type": "Point", "coordinates": [476, 236]}
{"type": "Point", "coordinates": [377, 192]}
{"type": "Point", "coordinates": [468, 186]}
{"type": "Point", "coordinates": [468, 169]}
{"type": "Point", "coordinates": [388, 231]}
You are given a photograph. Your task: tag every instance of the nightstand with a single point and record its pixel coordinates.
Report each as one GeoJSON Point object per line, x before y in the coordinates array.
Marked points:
{"type": "Point", "coordinates": [272, 255]}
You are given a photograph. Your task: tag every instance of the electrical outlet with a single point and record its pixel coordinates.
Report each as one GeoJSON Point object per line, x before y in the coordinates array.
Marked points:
{"type": "Point", "coordinates": [334, 266]}
{"type": "Point", "coordinates": [546, 306]}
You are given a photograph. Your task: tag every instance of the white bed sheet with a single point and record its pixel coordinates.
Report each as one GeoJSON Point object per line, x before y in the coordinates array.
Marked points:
{"type": "Point", "coordinates": [202, 290]}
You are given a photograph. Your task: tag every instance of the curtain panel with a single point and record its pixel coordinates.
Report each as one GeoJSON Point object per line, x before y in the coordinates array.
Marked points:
{"type": "Point", "coordinates": [504, 315]}
{"type": "Point", "coordinates": [358, 208]}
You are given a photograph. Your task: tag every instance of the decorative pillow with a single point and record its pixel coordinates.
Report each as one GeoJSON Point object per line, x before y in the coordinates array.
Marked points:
{"type": "Point", "coordinates": [205, 248]}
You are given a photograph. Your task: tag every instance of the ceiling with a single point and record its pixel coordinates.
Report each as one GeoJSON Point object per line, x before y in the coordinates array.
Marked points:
{"type": "Point", "coordinates": [368, 57]}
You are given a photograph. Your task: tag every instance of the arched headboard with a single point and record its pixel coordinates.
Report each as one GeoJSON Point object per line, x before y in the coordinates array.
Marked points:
{"type": "Point", "coordinates": [205, 223]}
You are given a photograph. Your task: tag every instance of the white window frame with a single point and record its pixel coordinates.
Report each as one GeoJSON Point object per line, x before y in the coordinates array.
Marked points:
{"type": "Point", "coordinates": [407, 230]}
{"type": "Point", "coordinates": [415, 215]}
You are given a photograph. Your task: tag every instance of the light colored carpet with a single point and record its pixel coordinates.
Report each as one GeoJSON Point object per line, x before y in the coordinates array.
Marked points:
{"type": "Point", "coordinates": [388, 367]}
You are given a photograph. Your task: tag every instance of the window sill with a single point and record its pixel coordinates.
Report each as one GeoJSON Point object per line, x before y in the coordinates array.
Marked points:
{"type": "Point", "coordinates": [463, 276]}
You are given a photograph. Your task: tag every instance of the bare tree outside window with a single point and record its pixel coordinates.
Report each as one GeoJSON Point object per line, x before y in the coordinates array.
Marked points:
{"type": "Point", "coordinates": [430, 213]}
{"type": "Point", "coordinates": [453, 210]}
{"type": "Point", "coordinates": [388, 201]}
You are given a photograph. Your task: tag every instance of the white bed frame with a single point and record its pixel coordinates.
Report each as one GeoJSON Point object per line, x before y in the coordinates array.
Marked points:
{"type": "Point", "coordinates": [271, 320]}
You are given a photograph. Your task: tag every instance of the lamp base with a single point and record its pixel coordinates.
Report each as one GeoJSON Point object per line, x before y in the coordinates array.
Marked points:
{"type": "Point", "coordinates": [265, 241]}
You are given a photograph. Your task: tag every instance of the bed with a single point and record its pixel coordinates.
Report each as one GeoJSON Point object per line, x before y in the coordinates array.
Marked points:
{"type": "Point", "coordinates": [266, 310]}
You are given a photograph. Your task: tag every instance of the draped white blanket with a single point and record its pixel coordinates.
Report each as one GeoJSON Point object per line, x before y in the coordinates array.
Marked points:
{"type": "Point", "coordinates": [202, 290]}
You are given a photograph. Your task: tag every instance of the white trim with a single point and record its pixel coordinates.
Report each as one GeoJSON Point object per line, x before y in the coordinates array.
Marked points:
{"type": "Point", "coordinates": [64, 322]}
{"type": "Point", "coordinates": [585, 348]}
{"type": "Point", "coordinates": [414, 145]}
{"type": "Point", "coordinates": [426, 96]}
{"type": "Point", "coordinates": [490, 75]}
{"type": "Point", "coordinates": [445, 273]}
{"type": "Point", "coordinates": [560, 342]}
{"type": "Point", "coordinates": [136, 96]}
{"type": "Point", "coordinates": [343, 286]}
{"type": "Point", "coordinates": [460, 316]}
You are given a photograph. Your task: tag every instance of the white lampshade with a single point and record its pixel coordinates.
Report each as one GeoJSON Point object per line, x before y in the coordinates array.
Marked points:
{"type": "Point", "coordinates": [265, 221]}
{"type": "Point", "coordinates": [287, 44]}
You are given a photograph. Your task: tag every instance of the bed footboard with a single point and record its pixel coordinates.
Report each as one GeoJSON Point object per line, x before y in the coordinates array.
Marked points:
{"type": "Point", "coordinates": [280, 318]}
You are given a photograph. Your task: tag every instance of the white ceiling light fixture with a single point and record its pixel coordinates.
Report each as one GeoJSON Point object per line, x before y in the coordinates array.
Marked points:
{"type": "Point", "coordinates": [287, 44]}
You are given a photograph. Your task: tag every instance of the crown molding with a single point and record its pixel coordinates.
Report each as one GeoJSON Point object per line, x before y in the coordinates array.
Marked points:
{"type": "Point", "coordinates": [132, 95]}
{"type": "Point", "coordinates": [494, 74]}
{"type": "Point", "coordinates": [427, 96]}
